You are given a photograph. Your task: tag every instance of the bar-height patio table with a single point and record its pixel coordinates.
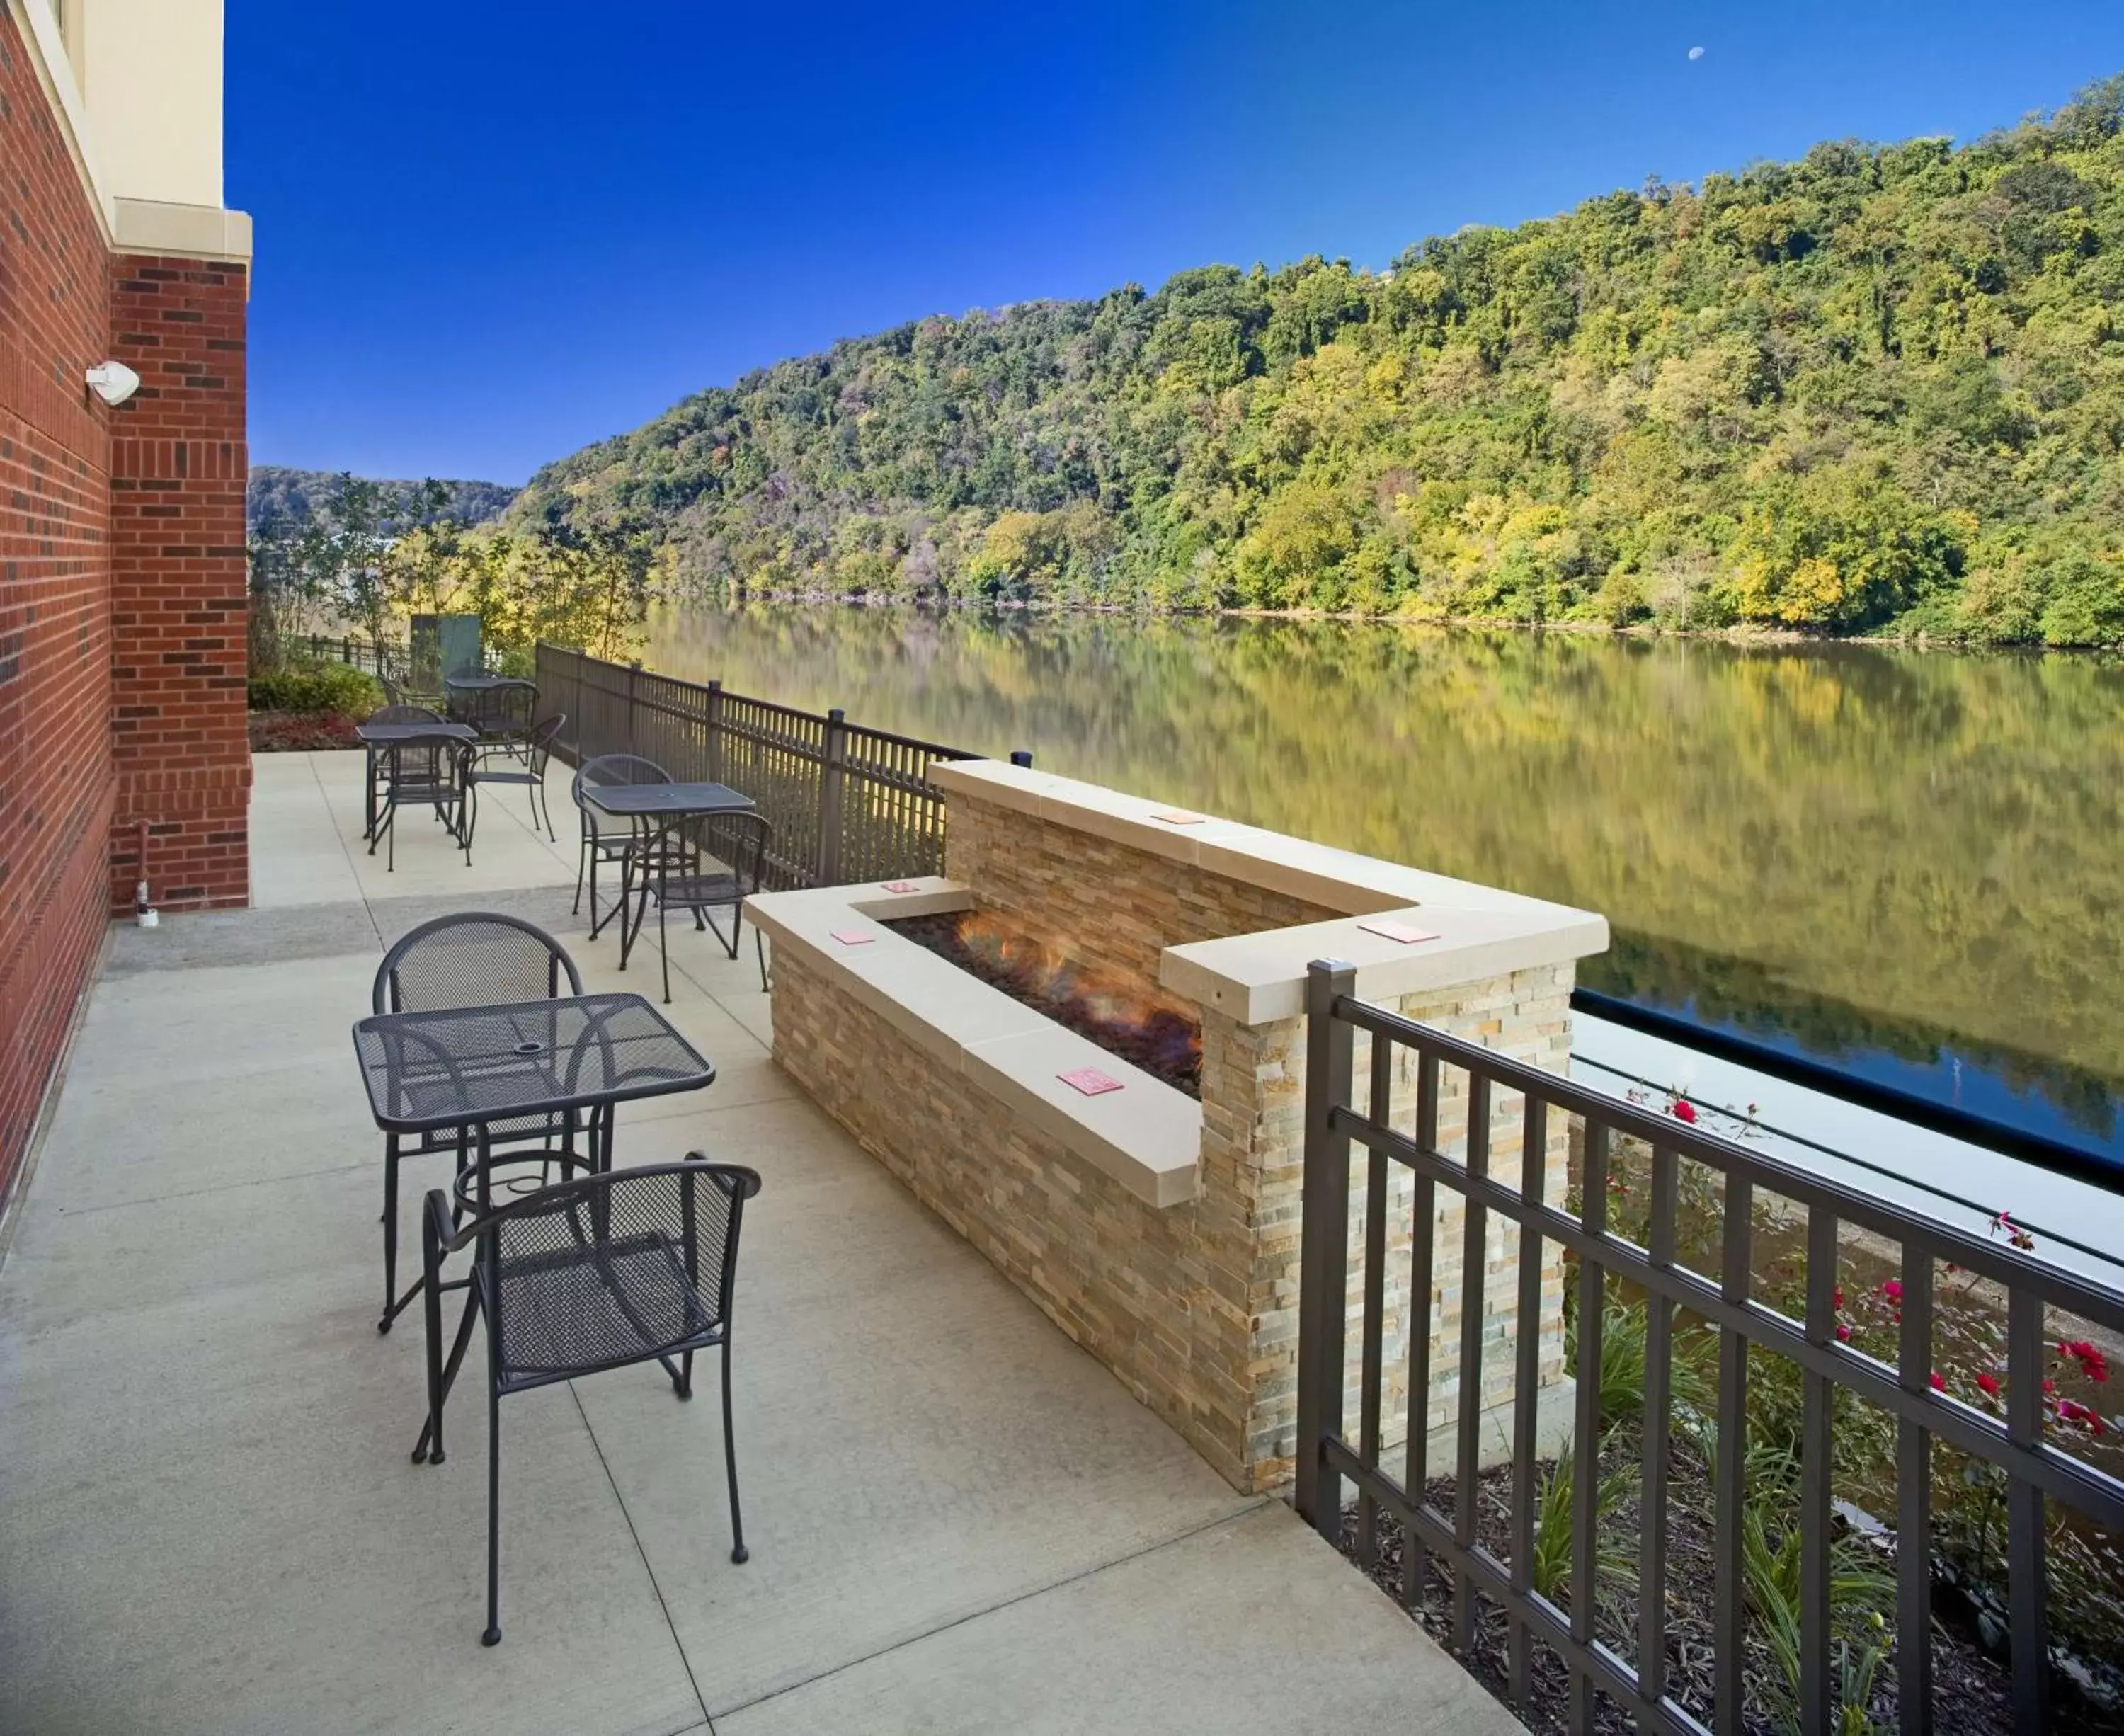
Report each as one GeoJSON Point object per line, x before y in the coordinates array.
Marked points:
{"type": "Point", "coordinates": [654, 809]}
{"type": "Point", "coordinates": [573, 1060]}
{"type": "Point", "coordinates": [378, 738]}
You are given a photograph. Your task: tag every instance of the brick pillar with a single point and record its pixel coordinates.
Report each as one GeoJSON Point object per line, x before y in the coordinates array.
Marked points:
{"type": "Point", "coordinates": [178, 466]}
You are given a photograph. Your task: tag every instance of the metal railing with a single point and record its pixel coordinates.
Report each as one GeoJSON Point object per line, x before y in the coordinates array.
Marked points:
{"type": "Point", "coordinates": [846, 803]}
{"type": "Point", "coordinates": [1501, 1103]}
{"type": "Point", "coordinates": [381, 658]}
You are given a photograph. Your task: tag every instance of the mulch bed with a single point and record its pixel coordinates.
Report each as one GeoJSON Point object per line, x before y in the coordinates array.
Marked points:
{"type": "Point", "coordinates": [1970, 1690]}
{"type": "Point", "coordinates": [1164, 1043]}
{"type": "Point", "coordinates": [300, 732]}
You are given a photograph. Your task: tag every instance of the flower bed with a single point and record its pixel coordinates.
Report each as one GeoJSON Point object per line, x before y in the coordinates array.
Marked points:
{"type": "Point", "coordinates": [300, 732]}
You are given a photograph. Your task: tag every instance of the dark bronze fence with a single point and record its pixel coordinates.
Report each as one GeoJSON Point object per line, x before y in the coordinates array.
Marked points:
{"type": "Point", "coordinates": [846, 803]}
{"type": "Point", "coordinates": [381, 658]}
{"type": "Point", "coordinates": [1705, 1327]}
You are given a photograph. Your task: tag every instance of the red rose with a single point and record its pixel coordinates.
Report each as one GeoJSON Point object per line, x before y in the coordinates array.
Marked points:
{"type": "Point", "coordinates": [1988, 1385]}
{"type": "Point", "coordinates": [1685, 1110]}
{"type": "Point", "coordinates": [1893, 1290]}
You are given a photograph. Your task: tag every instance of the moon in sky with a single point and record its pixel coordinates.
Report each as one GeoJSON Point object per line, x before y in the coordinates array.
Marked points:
{"type": "Point", "coordinates": [1696, 54]}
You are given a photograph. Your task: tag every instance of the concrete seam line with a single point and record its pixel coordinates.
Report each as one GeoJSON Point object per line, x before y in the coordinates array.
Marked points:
{"type": "Point", "coordinates": [685, 1662]}
{"type": "Point", "coordinates": [1252, 1506]}
{"type": "Point", "coordinates": [324, 795]}
{"type": "Point", "coordinates": [258, 1181]}
{"type": "Point", "coordinates": [11, 1206]}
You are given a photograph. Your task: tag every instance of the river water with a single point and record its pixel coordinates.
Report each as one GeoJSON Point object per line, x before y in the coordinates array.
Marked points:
{"type": "Point", "coordinates": [1910, 864]}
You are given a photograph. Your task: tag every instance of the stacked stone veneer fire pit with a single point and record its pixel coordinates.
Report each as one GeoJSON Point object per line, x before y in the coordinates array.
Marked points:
{"type": "Point", "coordinates": [1162, 1234]}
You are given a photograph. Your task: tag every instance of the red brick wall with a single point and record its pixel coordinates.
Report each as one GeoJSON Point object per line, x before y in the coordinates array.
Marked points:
{"type": "Point", "coordinates": [178, 464]}
{"type": "Point", "coordinates": [122, 605]}
{"type": "Point", "coordinates": [55, 682]}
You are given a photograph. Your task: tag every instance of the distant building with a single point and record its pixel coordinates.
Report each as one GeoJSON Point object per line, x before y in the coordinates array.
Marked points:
{"type": "Point", "coordinates": [122, 585]}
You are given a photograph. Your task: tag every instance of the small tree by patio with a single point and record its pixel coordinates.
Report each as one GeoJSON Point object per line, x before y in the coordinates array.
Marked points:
{"type": "Point", "coordinates": [589, 589]}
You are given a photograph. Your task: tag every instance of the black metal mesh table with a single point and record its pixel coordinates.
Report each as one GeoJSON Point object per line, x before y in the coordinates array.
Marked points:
{"type": "Point", "coordinates": [664, 801]}
{"type": "Point", "coordinates": [653, 808]}
{"type": "Point", "coordinates": [383, 735]}
{"type": "Point", "coordinates": [472, 1066]}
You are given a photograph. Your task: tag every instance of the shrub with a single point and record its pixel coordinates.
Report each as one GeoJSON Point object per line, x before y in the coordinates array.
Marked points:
{"type": "Point", "coordinates": [315, 689]}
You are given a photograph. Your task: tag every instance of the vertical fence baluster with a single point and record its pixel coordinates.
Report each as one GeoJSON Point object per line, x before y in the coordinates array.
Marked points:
{"type": "Point", "coordinates": [1323, 1258]}
{"type": "Point", "coordinates": [1586, 1445]}
{"type": "Point", "coordinates": [1526, 1378]}
{"type": "Point", "coordinates": [1423, 1214]}
{"type": "Point", "coordinates": [1369, 1393]}
{"type": "Point", "coordinates": [1659, 1395]}
{"type": "Point", "coordinates": [2027, 1578]}
{"type": "Point", "coordinates": [1466, 1468]}
{"type": "Point", "coordinates": [1731, 1493]}
{"type": "Point", "coordinates": [1914, 1501]}
{"type": "Point", "coordinates": [1815, 1461]}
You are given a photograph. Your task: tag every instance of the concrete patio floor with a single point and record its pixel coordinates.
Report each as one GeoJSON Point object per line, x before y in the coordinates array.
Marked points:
{"type": "Point", "coordinates": [209, 1520]}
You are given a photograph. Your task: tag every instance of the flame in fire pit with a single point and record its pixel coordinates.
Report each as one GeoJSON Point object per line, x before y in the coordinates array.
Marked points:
{"type": "Point", "coordinates": [1162, 1037]}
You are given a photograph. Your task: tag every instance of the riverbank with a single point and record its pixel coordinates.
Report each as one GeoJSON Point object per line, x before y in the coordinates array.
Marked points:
{"type": "Point", "coordinates": [1740, 633]}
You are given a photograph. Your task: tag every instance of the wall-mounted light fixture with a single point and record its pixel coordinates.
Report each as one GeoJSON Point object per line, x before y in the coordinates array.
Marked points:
{"type": "Point", "coordinates": [113, 382]}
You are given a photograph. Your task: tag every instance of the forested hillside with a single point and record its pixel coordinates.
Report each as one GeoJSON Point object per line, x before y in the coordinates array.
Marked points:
{"type": "Point", "coordinates": [1880, 387]}
{"type": "Point", "coordinates": [294, 499]}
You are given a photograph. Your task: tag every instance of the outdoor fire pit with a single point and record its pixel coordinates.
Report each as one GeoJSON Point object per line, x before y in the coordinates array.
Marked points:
{"type": "Point", "coordinates": [1085, 1050]}
{"type": "Point", "coordinates": [1161, 1036]}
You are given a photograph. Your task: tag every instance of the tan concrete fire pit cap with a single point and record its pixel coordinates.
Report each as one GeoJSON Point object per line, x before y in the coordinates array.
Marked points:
{"type": "Point", "coordinates": [1255, 978]}
{"type": "Point", "coordinates": [1334, 879]}
{"type": "Point", "coordinates": [1146, 1136]}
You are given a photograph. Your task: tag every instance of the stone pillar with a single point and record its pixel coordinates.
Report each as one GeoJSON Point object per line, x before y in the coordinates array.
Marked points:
{"type": "Point", "coordinates": [1253, 1140]}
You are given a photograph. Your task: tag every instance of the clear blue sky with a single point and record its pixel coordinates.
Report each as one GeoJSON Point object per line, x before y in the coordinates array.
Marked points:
{"type": "Point", "coordinates": [488, 234]}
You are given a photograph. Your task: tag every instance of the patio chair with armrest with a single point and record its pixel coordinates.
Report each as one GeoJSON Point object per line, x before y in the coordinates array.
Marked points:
{"type": "Point", "coordinates": [423, 771]}
{"type": "Point", "coordinates": [604, 838]}
{"type": "Point", "coordinates": [713, 865]}
{"type": "Point", "coordinates": [595, 1273]}
{"type": "Point", "coordinates": [478, 958]}
{"type": "Point", "coordinates": [529, 772]}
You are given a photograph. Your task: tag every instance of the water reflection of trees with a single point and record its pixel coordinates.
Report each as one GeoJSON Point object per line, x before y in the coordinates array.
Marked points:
{"type": "Point", "coordinates": [1929, 841]}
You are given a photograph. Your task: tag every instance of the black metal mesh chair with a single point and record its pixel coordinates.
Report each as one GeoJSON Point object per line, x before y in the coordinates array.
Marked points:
{"type": "Point", "coordinates": [422, 771]}
{"type": "Point", "coordinates": [631, 1266]}
{"type": "Point", "coordinates": [604, 838]}
{"type": "Point", "coordinates": [529, 772]}
{"type": "Point", "coordinates": [480, 959]}
{"type": "Point", "coordinates": [714, 865]}
{"type": "Point", "coordinates": [502, 713]}
{"type": "Point", "coordinates": [395, 712]}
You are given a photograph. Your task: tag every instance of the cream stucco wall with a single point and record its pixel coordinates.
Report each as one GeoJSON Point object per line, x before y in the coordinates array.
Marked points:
{"type": "Point", "coordinates": [150, 76]}
{"type": "Point", "coordinates": [137, 86]}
